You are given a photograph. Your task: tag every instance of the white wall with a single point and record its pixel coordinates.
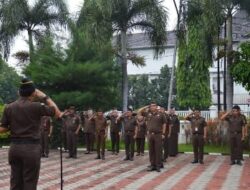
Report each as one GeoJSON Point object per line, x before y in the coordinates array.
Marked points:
{"type": "Point", "coordinates": [153, 66]}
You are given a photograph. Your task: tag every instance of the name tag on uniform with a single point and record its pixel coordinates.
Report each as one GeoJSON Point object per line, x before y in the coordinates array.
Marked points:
{"type": "Point", "coordinates": [196, 129]}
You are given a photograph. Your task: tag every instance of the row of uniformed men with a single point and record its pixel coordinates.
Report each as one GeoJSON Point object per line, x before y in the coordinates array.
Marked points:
{"type": "Point", "coordinates": [134, 127]}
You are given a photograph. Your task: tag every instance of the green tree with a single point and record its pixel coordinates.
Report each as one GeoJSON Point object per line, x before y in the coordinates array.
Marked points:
{"type": "Point", "coordinates": [241, 68]}
{"type": "Point", "coordinates": [83, 76]}
{"type": "Point", "coordinates": [228, 8]}
{"type": "Point", "coordinates": [195, 53]}
{"type": "Point", "coordinates": [18, 15]}
{"type": "Point", "coordinates": [9, 81]}
{"type": "Point", "coordinates": [122, 17]}
{"type": "Point", "coordinates": [143, 90]}
{"type": "Point", "coordinates": [211, 14]}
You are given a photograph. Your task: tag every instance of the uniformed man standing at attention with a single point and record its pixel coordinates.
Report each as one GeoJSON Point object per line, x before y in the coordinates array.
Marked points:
{"type": "Point", "coordinates": [156, 123]}
{"type": "Point", "coordinates": [141, 131]}
{"type": "Point", "coordinates": [199, 132]}
{"type": "Point", "coordinates": [165, 141]}
{"type": "Point", "coordinates": [22, 118]}
{"type": "Point", "coordinates": [115, 131]}
{"type": "Point", "coordinates": [89, 131]}
{"type": "Point", "coordinates": [73, 124]}
{"type": "Point", "coordinates": [129, 123]}
{"type": "Point", "coordinates": [175, 129]}
{"type": "Point", "coordinates": [46, 131]}
{"type": "Point", "coordinates": [237, 123]}
{"type": "Point", "coordinates": [101, 128]}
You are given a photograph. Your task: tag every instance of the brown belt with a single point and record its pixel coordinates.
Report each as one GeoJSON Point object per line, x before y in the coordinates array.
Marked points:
{"type": "Point", "coordinates": [25, 141]}
{"type": "Point", "coordinates": [129, 131]}
{"type": "Point", "coordinates": [155, 133]}
{"type": "Point", "coordinates": [236, 132]}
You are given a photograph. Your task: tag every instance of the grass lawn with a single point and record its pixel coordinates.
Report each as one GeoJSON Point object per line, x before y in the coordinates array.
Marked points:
{"type": "Point", "coordinates": [182, 147]}
{"type": "Point", "coordinates": [189, 148]}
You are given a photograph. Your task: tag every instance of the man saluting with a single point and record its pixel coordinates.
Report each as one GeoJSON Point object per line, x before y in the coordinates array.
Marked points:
{"type": "Point", "coordinates": [22, 118]}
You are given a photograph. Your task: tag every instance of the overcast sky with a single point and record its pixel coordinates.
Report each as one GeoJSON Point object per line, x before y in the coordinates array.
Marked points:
{"type": "Point", "coordinates": [75, 5]}
{"type": "Point", "coordinates": [74, 8]}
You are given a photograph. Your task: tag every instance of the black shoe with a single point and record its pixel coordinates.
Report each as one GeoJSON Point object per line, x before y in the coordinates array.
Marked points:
{"type": "Point", "coordinates": [126, 158]}
{"type": "Point", "coordinates": [138, 154]}
{"type": "Point", "coordinates": [131, 159]}
{"type": "Point", "coordinates": [162, 166]}
{"type": "Point", "coordinates": [158, 169]}
{"type": "Point", "coordinates": [164, 160]}
{"type": "Point", "coordinates": [239, 163]}
{"type": "Point", "coordinates": [194, 162]}
{"type": "Point", "coordinates": [201, 162]}
{"type": "Point", "coordinates": [67, 157]}
{"type": "Point", "coordinates": [103, 157]}
{"type": "Point", "coordinates": [142, 154]}
{"type": "Point", "coordinates": [98, 157]}
{"type": "Point", "coordinates": [75, 157]}
{"type": "Point", "coordinates": [232, 163]}
{"type": "Point", "coordinates": [151, 168]}
{"type": "Point", "coordinates": [46, 156]}
{"type": "Point", "coordinates": [87, 152]}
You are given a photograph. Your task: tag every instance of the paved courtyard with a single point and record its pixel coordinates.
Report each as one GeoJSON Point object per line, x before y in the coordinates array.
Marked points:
{"type": "Point", "coordinates": [114, 173]}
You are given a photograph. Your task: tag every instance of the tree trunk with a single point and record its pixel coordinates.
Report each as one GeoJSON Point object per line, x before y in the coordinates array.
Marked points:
{"type": "Point", "coordinates": [179, 14]}
{"type": "Point", "coordinates": [124, 71]}
{"type": "Point", "coordinates": [31, 46]}
{"type": "Point", "coordinates": [229, 79]}
{"type": "Point", "coordinates": [172, 76]}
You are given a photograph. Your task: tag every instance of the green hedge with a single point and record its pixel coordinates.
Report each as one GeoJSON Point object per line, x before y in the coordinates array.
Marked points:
{"type": "Point", "coordinates": [3, 136]}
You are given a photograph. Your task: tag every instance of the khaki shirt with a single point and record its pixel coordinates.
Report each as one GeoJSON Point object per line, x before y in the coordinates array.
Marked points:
{"type": "Point", "coordinates": [23, 118]}
{"type": "Point", "coordinates": [236, 123]}
{"type": "Point", "coordinates": [46, 123]}
{"type": "Point", "coordinates": [72, 122]}
{"type": "Point", "coordinates": [141, 129]}
{"type": "Point", "coordinates": [88, 125]}
{"type": "Point", "coordinates": [129, 124]}
{"type": "Point", "coordinates": [175, 122]}
{"type": "Point", "coordinates": [100, 124]}
{"type": "Point", "coordinates": [197, 124]}
{"type": "Point", "coordinates": [155, 121]}
{"type": "Point", "coordinates": [115, 127]}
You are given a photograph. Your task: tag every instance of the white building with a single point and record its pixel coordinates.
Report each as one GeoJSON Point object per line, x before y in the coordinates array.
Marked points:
{"type": "Point", "coordinates": [139, 44]}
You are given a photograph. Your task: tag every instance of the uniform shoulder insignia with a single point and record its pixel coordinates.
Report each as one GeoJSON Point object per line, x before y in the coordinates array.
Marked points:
{"type": "Point", "coordinates": [42, 104]}
{"type": "Point", "coordinates": [9, 102]}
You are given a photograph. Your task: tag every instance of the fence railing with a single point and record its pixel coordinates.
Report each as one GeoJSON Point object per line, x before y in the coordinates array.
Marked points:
{"type": "Point", "coordinates": [208, 114]}
{"type": "Point", "coordinates": [205, 114]}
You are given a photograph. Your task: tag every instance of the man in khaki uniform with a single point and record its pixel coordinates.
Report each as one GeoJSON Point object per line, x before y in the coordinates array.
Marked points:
{"type": "Point", "coordinates": [46, 131]}
{"type": "Point", "coordinates": [72, 122]}
{"type": "Point", "coordinates": [89, 131]}
{"type": "Point", "coordinates": [156, 123]}
{"type": "Point", "coordinates": [129, 123]}
{"type": "Point", "coordinates": [22, 118]}
{"type": "Point", "coordinates": [115, 131]}
{"type": "Point", "coordinates": [173, 135]}
{"type": "Point", "coordinates": [101, 134]}
{"type": "Point", "coordinates": [237, 128]}
{"type": "Point", "coordinates": [199, 131]}
{"type": "Point", "coordinates": [141, 131]}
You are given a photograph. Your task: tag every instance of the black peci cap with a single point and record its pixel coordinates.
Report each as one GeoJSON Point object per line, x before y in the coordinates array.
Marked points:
{"type": "Point", "coordinates": [27, 87]}
{"type": "Point", "coordinates": [236, 107]}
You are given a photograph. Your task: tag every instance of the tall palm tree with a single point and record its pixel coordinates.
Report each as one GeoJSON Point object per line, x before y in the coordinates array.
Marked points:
{"type": "Point", "coordinates": [221, 10]}
{"type": "Point", "coordinates": [18, 15]}
{"type": "Point", "coordinates": [229, 7]}
{"type": "Point", "coordinates": [124, 16]}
